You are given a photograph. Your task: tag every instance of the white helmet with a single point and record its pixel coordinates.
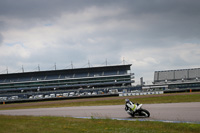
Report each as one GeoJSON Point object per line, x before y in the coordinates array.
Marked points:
{"type": "Point", "coordinates": [127, 100]}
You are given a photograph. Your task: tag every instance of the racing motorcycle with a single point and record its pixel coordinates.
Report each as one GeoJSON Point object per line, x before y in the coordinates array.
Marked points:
{"type": "Point", "coordinates": [136, 110]}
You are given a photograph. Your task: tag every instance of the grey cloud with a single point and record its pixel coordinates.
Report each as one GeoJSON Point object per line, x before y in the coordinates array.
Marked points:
{"type": "Point", "coordinates": [44, 8]}
{"type": "Point", "coordinates": [2, 27]}
{"type": "Point", "coordinates": [159, 23]}
{"type": "Point", "coordinates": [158, 18]}
{"type": "Point", "coordinates": [140, 25]}
{"type": "Point", "coordinates": [170, 7]}
{"type": "Point", "coordinates": [175, 20]}
{"type": "Point", "coordinates": [33, 12]}
{"type": "Point", "coordinates": [1, 39]}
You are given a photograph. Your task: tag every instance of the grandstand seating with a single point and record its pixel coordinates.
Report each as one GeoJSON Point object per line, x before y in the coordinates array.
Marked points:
{"type": "Point", "coordinates": [62, 76]}
{"type": "Point", "coordinates": [67, 79]}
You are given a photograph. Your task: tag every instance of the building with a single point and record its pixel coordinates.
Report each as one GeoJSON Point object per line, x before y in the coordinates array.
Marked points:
{"type": "Point", "coordinates": [178, 79]}
{"type": "Point", "coordinates": [66, 82]}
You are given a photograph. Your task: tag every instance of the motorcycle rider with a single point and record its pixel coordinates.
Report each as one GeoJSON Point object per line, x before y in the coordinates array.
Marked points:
{"type": "Point", "coordinates": [135, 109]}
{"type": "Point", "coordinates": [131, 105]}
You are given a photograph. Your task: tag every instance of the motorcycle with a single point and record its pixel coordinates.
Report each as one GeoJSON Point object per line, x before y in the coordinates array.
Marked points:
{"type": "Point", "coordinates": [136, 111]}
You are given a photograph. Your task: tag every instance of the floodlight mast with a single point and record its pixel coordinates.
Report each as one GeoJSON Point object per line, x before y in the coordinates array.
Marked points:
{"type": "Point", "coordinates": [55, 66]}
{"type": "Point", "coordinates": [89, 63]}
{"type": "Point", "coordinates": [38, 67]}
{"type": "Point", "coordinates": [123, 61]}
{"type": "Point", "coordinates": [22, 69]}
{"type": "Point", "coordinates": [7, 69]}
{"type": "Point", "coordinates": [72, 65]}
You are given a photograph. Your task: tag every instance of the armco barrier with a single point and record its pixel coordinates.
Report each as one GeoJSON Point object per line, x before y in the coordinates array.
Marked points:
{"type": "Point", "coordinates": [158, 92]}
{"type": "Point", "coordinates": [182, 90]}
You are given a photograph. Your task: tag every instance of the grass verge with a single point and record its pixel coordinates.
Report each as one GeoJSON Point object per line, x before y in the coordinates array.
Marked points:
{"type": "Point", "coordinates": [47, 124]}
{"type": "Point", "coordinates": [148, 99]}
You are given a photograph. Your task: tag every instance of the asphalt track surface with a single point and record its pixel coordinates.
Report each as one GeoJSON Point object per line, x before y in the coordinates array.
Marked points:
{"type": "Point", "coordinates": [173, 112]}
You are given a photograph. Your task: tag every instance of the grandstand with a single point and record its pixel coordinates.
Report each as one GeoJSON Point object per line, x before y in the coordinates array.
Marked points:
{"type": "Point", "coordinates": [66, 82]}
{"type": "Point", "coordinates": [178, 79]}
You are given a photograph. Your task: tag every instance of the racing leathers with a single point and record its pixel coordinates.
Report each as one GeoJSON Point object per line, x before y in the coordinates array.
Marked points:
{"type": "Point", "coordinates": [131, 106]}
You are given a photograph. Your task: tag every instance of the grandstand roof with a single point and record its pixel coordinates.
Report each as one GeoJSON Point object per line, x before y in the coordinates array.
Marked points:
{"type": "Point", "coordinates": [67, 71]}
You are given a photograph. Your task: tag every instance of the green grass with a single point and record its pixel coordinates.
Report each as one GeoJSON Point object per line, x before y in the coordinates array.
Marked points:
{"type": "Point", "coordinates": [169, 99]}
{"type": "Point", "coordinates": [47, 124]}
{"type": "Point", "coordinates": [149, 99]}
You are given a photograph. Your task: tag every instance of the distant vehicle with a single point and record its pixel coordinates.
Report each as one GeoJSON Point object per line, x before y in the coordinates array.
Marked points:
{"type": "Point", "coordinates": [71, 94]}
{"type": "Point", "coordinates": [38, 96]}
{"type": "Point", "coordinates": [82, 94]}
{"type": "Point", "coordinates": [31, 97]}
{"type": "Point", "coordinates": [113, 91]}
{"type": "Point", "coordinates": [100, 92]}
{"type": "Point", "coordinates": [59, 95]}
{"type": "Point", "coordinates": [65, 94]}
{"type": "Point", "coordinates": [77, 94]}
{"type": "Point", "coordinates": [94, 93]}
{"type": "Point", "coordinates": [52, 95]}
{"type": "Point", "coordinates": [46, 96]}
{"type": "Point", "coordinates": [3, 98]}
{"type": "Point", "coordinates": [14, 97]}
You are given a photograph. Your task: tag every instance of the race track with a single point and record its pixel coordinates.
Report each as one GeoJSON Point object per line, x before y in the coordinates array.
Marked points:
{"type": "Point", "coordinates": [182, 112]}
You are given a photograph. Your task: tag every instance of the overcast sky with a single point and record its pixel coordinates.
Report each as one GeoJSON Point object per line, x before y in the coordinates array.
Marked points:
{"type": "Point", "coordinates": [152, 35]}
